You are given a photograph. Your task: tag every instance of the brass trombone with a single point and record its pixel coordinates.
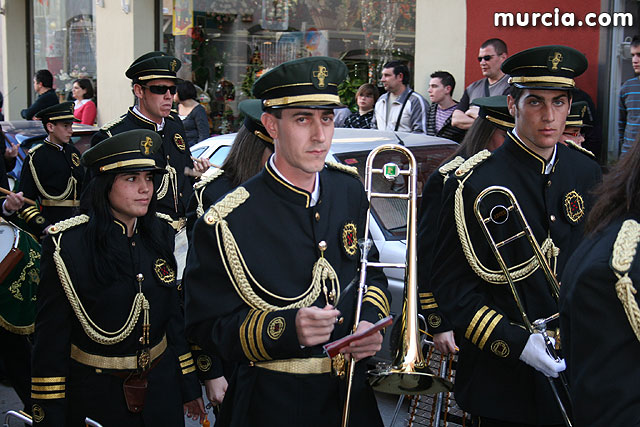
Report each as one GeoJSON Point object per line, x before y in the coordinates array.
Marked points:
{"type": "Point", "coordinates": [409, 374]}
{"type": "Point", "coordinates": [499, 215]}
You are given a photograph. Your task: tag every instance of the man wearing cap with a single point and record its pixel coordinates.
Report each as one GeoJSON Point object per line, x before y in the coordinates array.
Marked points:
{"type": "Point", "coordinates": [153, 77]}
{"type": "Point", "coordinates": [503, 367]}
{"type": "Point", "coordinates": [572, 133]}
{"type": "Point", "coordinates": [109, 336]}
{"type": "Point", "coordinates": [270, 262]}
{"type": "Point", "coordinates": [52, 173]}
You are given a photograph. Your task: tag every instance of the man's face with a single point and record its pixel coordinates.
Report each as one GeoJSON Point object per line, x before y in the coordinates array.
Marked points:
{"type": "Point", "coordinates": [438, 92]}
{"type": "Point", "coordinates": [635, 58]}
{"type": "Point", "coordinates": [36, 85]}
{"type": "Point", "coordinates": [302, 138]}
{"type": "Point", "coordinates": [573, 133]}
{"type": "Point", "coordinates": [391, 82]}
{"type": "Point", "coordinates": [491, 67]}
{"type": "Point", "coordinates": [152, 105]}
{"type": "Point", "coordinates": [60, 132]}
{"type": "Point", "coordinates": [540, 117]}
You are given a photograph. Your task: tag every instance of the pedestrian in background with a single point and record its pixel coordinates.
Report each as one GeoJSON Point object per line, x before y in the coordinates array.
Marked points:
{"type": "Point", "coordinates": [85, 109]}
{"type": "Point", "coordinates": [43, 86]}
{"type": "Point", "coordinates": [366, 98]}
{"type": "Point", "coordinates": [192, 113]}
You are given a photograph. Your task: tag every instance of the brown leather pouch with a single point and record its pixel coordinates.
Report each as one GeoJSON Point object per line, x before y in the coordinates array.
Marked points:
{"type": "Point", "coordinates": [135, 390]}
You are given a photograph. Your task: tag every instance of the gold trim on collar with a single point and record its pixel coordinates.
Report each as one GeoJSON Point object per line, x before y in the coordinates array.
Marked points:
{"type": "Point", "coordinates": [500, 122]}
{"type": "Point", "coordinates": [125, 163]}
{"type": "Point", "coordinates": [286, 100]}
{"type": "Point", "coordinates": [543, 79]}
{"type": "Point", "coordinates": [290, 187]}
{"type": "Point", "coordinates": [528, 151]}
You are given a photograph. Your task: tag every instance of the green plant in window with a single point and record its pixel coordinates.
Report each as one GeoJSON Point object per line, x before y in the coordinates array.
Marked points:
{"type": "Point", "coordinates": [347, 91]}
{"type": "Point", "coordinates": [254, 69]}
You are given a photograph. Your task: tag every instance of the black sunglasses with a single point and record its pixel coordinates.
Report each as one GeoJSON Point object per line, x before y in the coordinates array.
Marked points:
{"type": "Point", "coordinates": [486, 58]}
{"type": "Point", "coordinates": [161, 90]}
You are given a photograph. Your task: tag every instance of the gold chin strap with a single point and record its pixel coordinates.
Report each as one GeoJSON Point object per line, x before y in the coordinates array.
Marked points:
{"type": "Point", "coordinates": [237, 269]}
{"type": "Point", "coordinates": [624, 251]}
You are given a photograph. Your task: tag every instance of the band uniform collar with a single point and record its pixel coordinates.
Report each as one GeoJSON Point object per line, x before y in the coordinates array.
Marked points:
{"type": "Point", "coordinates": [150, 124]}
{"type": "Point", "coordinates": [287, 190]}
{"type": "Point", "coordinates": [527, 156]}
{"type": "Point", "coordinates": [53, 144]}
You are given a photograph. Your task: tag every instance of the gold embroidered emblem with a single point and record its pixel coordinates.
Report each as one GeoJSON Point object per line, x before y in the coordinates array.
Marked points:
{"type": "Point", "coordinates": [172, 65]}
{"type": "Point", "coordinates": [500, 348]}
{"type": "Point", "coordinates": [179, 141]}
{"type": "Point", "coordinates": [275, 329]}
{"type": "Point", "coordinates": [144, 359]}
{"type": "Point", "coordinates": [554, 60]}
{"type": "Point", "coordinates": [37, 412]}
{"type": "Point", "coordinates": [75, 159]}
{"type": "Point", "coordinates": [434, 320]}
{"type": "Point", "coordinates": [164, 271]}
{"type": "Point", "coordinates": [573, 206]}
{"type": "Point", "coordinates": [350, 238]}
{"type": "Point", "coordinates": [321, 74]}
{"type": "Point", "coordinates": [338, 365]}
{"type": "Point", "coordinates": [204, 363]}
{"type": "Point", "coordinates": [146, 145]}
{"type": "Point", "coordinates": [39, 220]}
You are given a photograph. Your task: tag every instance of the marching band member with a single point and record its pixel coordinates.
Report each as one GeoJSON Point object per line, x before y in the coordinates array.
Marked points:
{"type": "Point", "coordinates": [599, 315]}
{"type": "Point", "coordinates": [109, 337]}
{"type": "Point", "coordinates": [291, 234]}
{"type": "Point", "coordinates": [502, 367]}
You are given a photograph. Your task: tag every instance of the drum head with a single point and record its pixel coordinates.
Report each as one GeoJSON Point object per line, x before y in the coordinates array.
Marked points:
{"type": "Point", "coordinates": [7, 239]}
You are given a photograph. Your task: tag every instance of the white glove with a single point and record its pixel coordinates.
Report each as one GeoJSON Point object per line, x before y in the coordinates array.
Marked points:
{"type": "Point", "coordinates": [535, 355]}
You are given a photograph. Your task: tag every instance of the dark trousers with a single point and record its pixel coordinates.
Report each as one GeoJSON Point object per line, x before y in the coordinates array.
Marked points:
{"type": "Point", "coordinates": [15, 353]}
{"type": "Point", "coordinates": [490, 422]}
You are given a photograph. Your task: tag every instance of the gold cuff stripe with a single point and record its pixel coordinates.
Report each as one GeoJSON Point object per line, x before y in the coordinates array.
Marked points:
{"type": "Point", "coordinates": [261, 350]}
{"type": "Point", "coordinates": [383, 297]}
{"type": "Point", "coordinates": [483, 323]}
{"type": "Point", "coordinates": [427, 300]}
{"type": "Point", "coordinates": [186, 363]}
{"type": "Point", "coordinates": [243, 337]}
{"type": "Point", "coordinates": [490, 329]}
{"type": "Point", "coordinates": [126, 163]}
{"type": "Point", "coordinates": [47, 396]}
{"type": "Point", "coordinates": [374, 302]}
{"type": "Point", "coordinates": [286, 100]}
{"type": "Point", "coordinates": [188, 370]}
{"type": "Point", "coordinates": [370, 296]}
{"type": "Point", "coordinates": [58, 387]}
{"type": "Point", "coordinates": [185, 357]}
{"type": "Point", "coordinates": [425, 294]}
{"type": "Point", "coordinates": [543, 79]}
{"type": "Point", "coordinates": [195, 347]}
{"type": "Point", "coordinates": [48, 380]}
{"type": "Point", "coordinates": [474, 320]}
{"type": "Point", "coordinates": [251, 335]}
{"type": "Point", "coordinates": [429, 306]}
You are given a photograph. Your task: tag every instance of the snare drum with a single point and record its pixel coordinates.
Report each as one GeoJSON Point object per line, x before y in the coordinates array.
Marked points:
{"type": "Point", "coordinates": [20, 267]}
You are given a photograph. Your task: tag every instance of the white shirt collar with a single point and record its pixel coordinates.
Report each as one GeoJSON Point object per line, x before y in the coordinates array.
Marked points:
{"type": "Point", "coordinates": [315, 194]}
{"type": "Point", "coordinates": [548, 166]}
{"type": "Point", "coordinates": [159, 127]}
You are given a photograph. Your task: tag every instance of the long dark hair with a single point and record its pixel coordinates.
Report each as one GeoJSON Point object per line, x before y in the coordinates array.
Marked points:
{"type": "Point", "coordinates": [619, 192]}
{"type": "Point", "coordinates": [108, 264]}
{"type": "Point", "coordinates": [245, 158]}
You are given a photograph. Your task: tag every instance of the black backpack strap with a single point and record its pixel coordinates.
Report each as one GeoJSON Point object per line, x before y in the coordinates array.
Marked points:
{"type": "Point", "coordinates": [401, 110]}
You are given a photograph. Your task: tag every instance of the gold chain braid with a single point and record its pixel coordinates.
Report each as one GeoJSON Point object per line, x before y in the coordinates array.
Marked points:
{"type": "Point", "coordinates": [624, 251]}
{"type": "Point", "coordinates": [92, 330]}
{"type": "Point", "coordinates": [199, 188]}
{"type": "Point", "coordinates": [168, 178]}
{"type": "Point", "coordinates": [518, 272]}
{"type": "Point", "coordinates": [71, 185]}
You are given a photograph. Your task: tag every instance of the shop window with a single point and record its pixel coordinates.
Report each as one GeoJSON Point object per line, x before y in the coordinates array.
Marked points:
{"type": "Point", "coordinates": [225, 44]}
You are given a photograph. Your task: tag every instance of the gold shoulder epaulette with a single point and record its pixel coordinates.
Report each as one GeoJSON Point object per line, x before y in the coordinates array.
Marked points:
{"type": "Point", "coordinates": [577, 147]}
{"type": "Point", "coordinates": [472, 162]}
{"type": "Point", "coordinates": [68, 223]}
{"type": "Point", "coordinates": [204, 180]}
{"type": "Point", "coordinates": [624, 251]}
{"type": "Point", "coordinates": [343, 168]}
{"type": "Point", "coordinates": [34, 148]}
{"type": "Point", "coordinates": [112, 123]}
{"type": "Point", "coordinates": [224, 207]}
{"type": "Point", "coordinates": [450, 166]}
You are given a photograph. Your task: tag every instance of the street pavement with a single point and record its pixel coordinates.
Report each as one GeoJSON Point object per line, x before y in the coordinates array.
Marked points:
{"type": "Point", "coordinates": [9, 401]}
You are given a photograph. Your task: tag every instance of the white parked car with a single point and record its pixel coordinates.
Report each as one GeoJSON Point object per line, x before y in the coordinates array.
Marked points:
{"type": "Point", "coordinates": [388, 226]}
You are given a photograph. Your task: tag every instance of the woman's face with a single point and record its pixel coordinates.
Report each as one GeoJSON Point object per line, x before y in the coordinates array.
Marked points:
{"type": "Point", "coordinates": [78, 92]}
{"type": "Point", "coordinates": [130, 195]}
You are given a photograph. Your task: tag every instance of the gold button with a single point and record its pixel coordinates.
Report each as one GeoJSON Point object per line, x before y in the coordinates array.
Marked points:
{"type": "Point", "coordinates": [133, 243]}
{"type": "Point", "coordinates": [549, 183]}
{"type": "Point", "coordinates": [340, 320]}
{"type": "Point", "coordinates": [317, 216]}
{"type": "Point", "coordinates": [552, 218]}
{"type": "Point", "coordinates": [322, 245]}
{"type": "Point", "coordinates": [180, 194]}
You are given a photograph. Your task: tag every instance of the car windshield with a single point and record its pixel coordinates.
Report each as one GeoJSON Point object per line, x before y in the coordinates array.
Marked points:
{"type": "Point", "coordinates": [217, 159]}
{"type": "Point", "coordinates": [391, 214]}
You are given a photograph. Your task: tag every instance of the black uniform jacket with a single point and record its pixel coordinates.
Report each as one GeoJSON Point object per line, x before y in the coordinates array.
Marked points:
{"type": "Point", "coordinates": [53, 165]}
{"type": "Point", "coordinates": [491, 381]}
{"type": "Point", "coordinates": [174, 152]}
{"type": "Point", "coordinates": [601, 349]}
{"type": "Point", "coordinates": [278, 234]}
{"type": "Point", "coordinates": [64, 391]}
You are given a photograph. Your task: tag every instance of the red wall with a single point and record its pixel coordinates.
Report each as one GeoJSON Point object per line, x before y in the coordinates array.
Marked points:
{"type": "Point", "coordinates": [480, 27]}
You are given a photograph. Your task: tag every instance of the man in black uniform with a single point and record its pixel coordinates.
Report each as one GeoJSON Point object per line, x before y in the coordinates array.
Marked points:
{"type": "Point", "coordinates": [501, 371]}
{"type": "Point", "coordinates": [270, 262]}
{"type": "Point", "coordinates": [52, 173]}
{"type": "Point", "coordinates": [153, 77]}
